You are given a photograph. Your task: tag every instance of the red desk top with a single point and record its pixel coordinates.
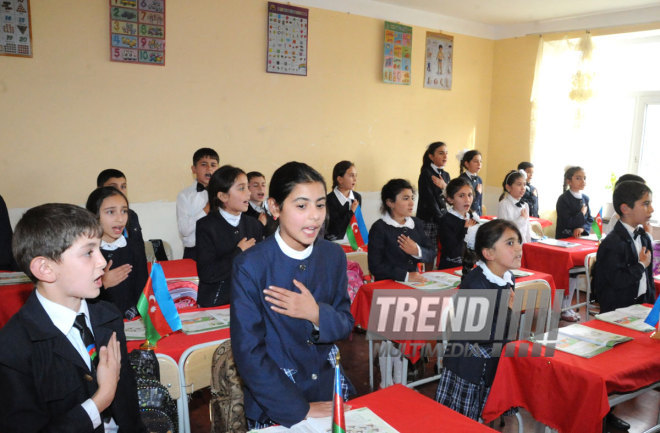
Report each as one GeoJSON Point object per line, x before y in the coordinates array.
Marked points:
{"type": "Point", "coordinates": [361, 306]}
{"type": "Point", "coordinates": [13, 298]}
{"type": "Point", "coordinates": [568, 392]}
{"type": "Point", "coordinates": [411, 412]}
{"type": "Point", "coordinates": [556, 261]}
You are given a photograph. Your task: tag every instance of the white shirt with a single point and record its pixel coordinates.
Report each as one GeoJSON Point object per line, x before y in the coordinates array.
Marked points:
{"type": "Point", "coordinates": [120, 242]}
{"type": "Point", "coordinates": [63, 319]}
{"type": "Point", "coordinates": [290, 252]}
{"type": "Point", "coordinates": [233, 220]}
{"type": "Point", "coordinates": [263, 207]}
{"type": "Point", "coordinates": [189, 208]}
{"type": "Point", "coordinates": [491, 277]}
{"type": "Point", "coordinates": [436, 168]}
{"type": "Point", "coordinates": [638, 247]}
{"type": "Point", "coordinates": [342, 198]}
{"type": "Point", "coordinates": [409, 223]}
{"type": "Point", "coordinates": [507, 210]}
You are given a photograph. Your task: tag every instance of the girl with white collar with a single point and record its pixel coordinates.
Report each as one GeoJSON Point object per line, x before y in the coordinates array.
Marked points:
{"type": "Point", "coordinates": [512, 207]}
{"type": "Point", "coordinates": [342, 201]}
{"type": "Point", "coordinates": [573, 214]}
{"type": "Point", "coordinates": [455, 225]}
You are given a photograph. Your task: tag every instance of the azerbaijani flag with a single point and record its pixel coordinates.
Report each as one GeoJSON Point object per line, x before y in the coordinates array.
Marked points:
{"type": "Point", "coordinates": [338, 423]}
{"type": "Point", "coordinates": [356, 232]}
{"type": "Point", "coordinates": [653, 318]}
{"type": "Point", "coordinates": [157, 307]}
{"type": "Point", "coordinates": [597, 225]}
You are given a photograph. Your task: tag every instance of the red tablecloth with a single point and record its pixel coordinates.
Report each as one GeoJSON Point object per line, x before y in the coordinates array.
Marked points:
{"type": "Point", "coordinates": [12, 298]}
{"type": "Point", "coordinates": [174, 345]}
{"type": "Point", "coordinates": [181, 268]}
{"type": "Point", "coordinates": [544, 222]}
{"type": "Point", "coordinates": [556, 261]}
{"type": "Point", "coordinates": [568, 392]}
{"type": "Point", "coordinates": [411, 412]}
{"type": "Point", "coordinates": [361, 306]}
{"type": "Point", "coordinates": [348, 249]}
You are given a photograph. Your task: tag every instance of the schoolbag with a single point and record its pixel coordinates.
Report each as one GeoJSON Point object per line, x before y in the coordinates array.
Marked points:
{"type": "Point", "coordinates": [157, 408]}
{"type": "Point", "coordinates": [226, 405]}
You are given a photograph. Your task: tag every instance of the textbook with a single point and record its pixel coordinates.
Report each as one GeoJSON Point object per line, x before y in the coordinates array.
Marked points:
{"type": "Point", "coordinates": [582, 340]}
{"type": "Point", "coordinates": [7, 278]}
{"type": "Point", "coordinates": [362, 420]}
{"type": "Point", "coordinates": [558, 243]}
{"type": "Point", "coordinates": [436, 281]}
{"type": "Point", "coordinates": [197, 322]}
{"type": "Point", "coordinates": [629, 317]}
{"type": "Point", "coordinates": [516, 273]}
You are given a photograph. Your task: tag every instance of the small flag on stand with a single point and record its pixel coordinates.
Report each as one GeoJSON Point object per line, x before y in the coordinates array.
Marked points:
{"type": "Point", "coordinates": [653, 319]}
{"type": "Point", "coordinates": [597, 225]}
{"type": "Point", "coordinates": [157, 308]}
{"type": "Point", "coordinates": [356, 232]}
{"type": "Point", "coordinates": [338, 423]}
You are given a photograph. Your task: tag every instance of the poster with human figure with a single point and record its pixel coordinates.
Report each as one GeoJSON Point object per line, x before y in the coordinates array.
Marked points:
{"type": "Point", "coordinates": [438, 62]}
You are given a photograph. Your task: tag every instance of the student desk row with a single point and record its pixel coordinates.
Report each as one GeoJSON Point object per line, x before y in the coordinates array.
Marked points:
{"type": "Point", "coordinates": [571, 393]}
{"type": "Point", "coordinates": [361, 309]}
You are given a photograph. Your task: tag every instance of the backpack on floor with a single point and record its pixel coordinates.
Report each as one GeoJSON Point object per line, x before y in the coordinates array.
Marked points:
{"type": "Point", "coordinates": [226, 405]}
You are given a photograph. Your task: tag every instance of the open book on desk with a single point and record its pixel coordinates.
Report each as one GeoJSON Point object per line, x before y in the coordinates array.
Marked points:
{"type": "Point", "coordinates": [435, 281]}
{"type": "Point", "coordinates": [629, 317]}
{"type": "Point", "coordinates": [558, 243]}
{"type": "Point", "coordinates": [582, 340]}
{"type": "Point", "coordinates": [361, 420]}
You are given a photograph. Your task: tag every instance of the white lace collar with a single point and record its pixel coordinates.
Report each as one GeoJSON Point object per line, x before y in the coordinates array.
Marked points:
{"type": "Point", "coordinates": [342, 198]}
{"type": "Point", "coordinates": [120, 242]}
{"type": "Point", "coordinates": [490, 276]}
{"type": "Point", "coordinates": [387, 219]}
{"type": "Point", "coordinates": [290, 252]}
{"type": "Point", "coordinates": [233, 220]}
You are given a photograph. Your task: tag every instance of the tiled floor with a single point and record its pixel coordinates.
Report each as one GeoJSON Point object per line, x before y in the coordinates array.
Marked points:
{"type": "Point", "coordinates": [641, 412]}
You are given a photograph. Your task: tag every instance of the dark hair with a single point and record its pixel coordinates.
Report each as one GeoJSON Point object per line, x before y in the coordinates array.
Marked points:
{"type": "Point", "coordinates": [510, 178]}
{"type": "Point", "coordinates": [49, 230]}
{"type": "Point", "coordinates": [627, 177]}
{"type": "Point", "coordinates": [487, 235]}
{"type": "Point", "coordinates": [221, 181]}
{"type": "Point", "coordinates": [628, 192]}
{"type": "Point", "coordinates": [525, 165]}
{"type": "Point", "coordinates": [251, 175]}
{"type": "Point", "coordinates": [107, 174]}
{"type": "Point", "coordinates": [467, 157]}
{"type": "Point", "coordinates": [204, 152]}
{"type": "Point", "coordinates": [390, 190]}
{"type": "Point", "coordinates": [430, 149]}
{"type": "Point", "coordinates": [340, 169]}
{"type": "Point", "coordinates": [456, 184]}
{"type": "Point", "coordinates": [568, 175]}
{"type": "Point", "coordinates": [95, 199]}
{"type": "Point", "coordinates": [289, 175]}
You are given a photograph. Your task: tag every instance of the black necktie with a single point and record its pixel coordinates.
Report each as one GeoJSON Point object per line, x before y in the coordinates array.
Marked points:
{"type": "Point", "coordinates": [88, 339]}
{"type": "Point", "coordinates": [200, 187]}
{"type": "Point", "coordinates": [519, 204]}
{"type": "Point", "coordinates": [638, 231]}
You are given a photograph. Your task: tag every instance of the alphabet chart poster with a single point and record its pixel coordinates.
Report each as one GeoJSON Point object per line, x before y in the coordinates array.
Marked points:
{"type": "Point", "coordinates": [398, 48]}
{"type": "Point", "coordinates": [137, 31]}
{"type": "Point", "coordinates": [287, 39]}
{"type": "Point", "coordinates": [15, 28]}
{"type": "Point", "coordinates": [438, 61]}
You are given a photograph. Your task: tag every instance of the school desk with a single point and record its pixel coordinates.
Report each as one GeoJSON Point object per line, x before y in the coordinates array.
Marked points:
{"type": "Point", "coordinates": [13, 297]}
{"type": "Point", "coordinates": [557, 261]}
{"type": "Point", "coordinates": [361, 308]}
{"type": "Point", "coordinates": [408, 411]}
{"type": "Point", "coordinates": [544, 222]}
{"type": "Point", "coordinates": [571, 393]}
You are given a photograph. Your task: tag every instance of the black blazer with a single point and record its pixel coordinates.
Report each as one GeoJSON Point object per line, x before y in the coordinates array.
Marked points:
{"type": "Point", "coordinates": [531, 197]}
{"type": "Point", "coordinates": [7, 262]}
{"type": "Point", "coordinates": [133, 227]}
{"type": "Point", "coordinates": [338, 216]}
{"type": "Point", "coordinates": [126, 294]}
{"type": "Point", "coordinates": [271, 224]}
{"type": "Point", "coordinates": [431, 204]}
{"type": "Point", "coordinates": [217, 246]}
{"type": "Point", "coordinates": [569, 215]}
{"type": "Point", "coordinates": [617, 271]}
{"type": "Point", "coordinates": [44, 381]}
{"type": "Point", "coordinates": [387, 260]}
{"type": "Point", "coordinates": [478, 196]}
{"type": "Point", "coordinates": [451, 233]}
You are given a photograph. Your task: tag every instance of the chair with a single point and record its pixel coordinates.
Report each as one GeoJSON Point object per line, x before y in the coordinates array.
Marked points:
{"type": "Point", "coordinates": [589, 262]}
{"type": "Point", "coordinates": [542, 293]}
{"type": "Point", "coordinates": [169, 376]}
{"type": "Point", "coordinates": [537, 230]}
{"type": "Point", "coordinates": [195, 372]}
{"type": "Point", "coordinates": [151, 253]}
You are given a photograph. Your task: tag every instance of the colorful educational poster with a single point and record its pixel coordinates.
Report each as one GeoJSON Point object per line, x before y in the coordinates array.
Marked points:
{"type": "Point", "coordinates": [438, 61]}
{"type": "Point", "coordinates": [287, 39]}
{"type": "Point", "coordinates": [15, 28]}
{"type": "Point", "coordinates": [137, 31]}
{"type": "Point", "coordinates": [398, 48]}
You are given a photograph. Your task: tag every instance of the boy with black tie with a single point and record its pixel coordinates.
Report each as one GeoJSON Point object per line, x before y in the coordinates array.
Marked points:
{"type": "Point", "coordinates": [623, 273]}
{"type": "Point", "coordinates": [52, 377]}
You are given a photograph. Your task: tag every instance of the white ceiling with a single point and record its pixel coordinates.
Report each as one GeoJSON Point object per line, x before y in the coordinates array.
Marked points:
{"type": "Point", "coordinates": [498, 19]}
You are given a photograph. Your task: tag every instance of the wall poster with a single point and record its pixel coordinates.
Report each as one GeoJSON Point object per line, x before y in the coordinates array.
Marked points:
{"type": "Point", "coordinates": [438, 64]}
{"type": "Point", "coordinates": [15, 28]}
{"type": "Point", "coordinates": [137, 31]}
{"type": "Point", "coordinates": [397, 52]}
{"type": "Point", "coordinates": [287, 39]}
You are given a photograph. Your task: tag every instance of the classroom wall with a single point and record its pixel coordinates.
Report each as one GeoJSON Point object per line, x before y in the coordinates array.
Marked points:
{"type": "Point", "coordinates": [69, 112]}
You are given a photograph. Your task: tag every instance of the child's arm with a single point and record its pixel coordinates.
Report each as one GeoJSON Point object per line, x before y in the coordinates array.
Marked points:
{"type": "Point", "coordinates": [428, 247]}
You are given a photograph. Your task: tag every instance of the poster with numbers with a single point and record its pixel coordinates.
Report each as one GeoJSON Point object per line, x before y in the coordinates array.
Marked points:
{"type": "Point", "coordinates": [397, 52]}
{"type": "Point", "coordinates": [137, 31]}
{"type": "Point", "coordinates": [15, 28]}
{"type": "Point", "coordinates": [287, 39]}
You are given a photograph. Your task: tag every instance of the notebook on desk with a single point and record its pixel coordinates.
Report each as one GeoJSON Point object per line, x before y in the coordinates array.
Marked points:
{"type": "Point", "coordinates": [558, 243]}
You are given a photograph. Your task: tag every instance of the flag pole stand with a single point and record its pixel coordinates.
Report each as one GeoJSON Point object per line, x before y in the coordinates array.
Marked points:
{"type": "Point", "coordinates": [148, 346]}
